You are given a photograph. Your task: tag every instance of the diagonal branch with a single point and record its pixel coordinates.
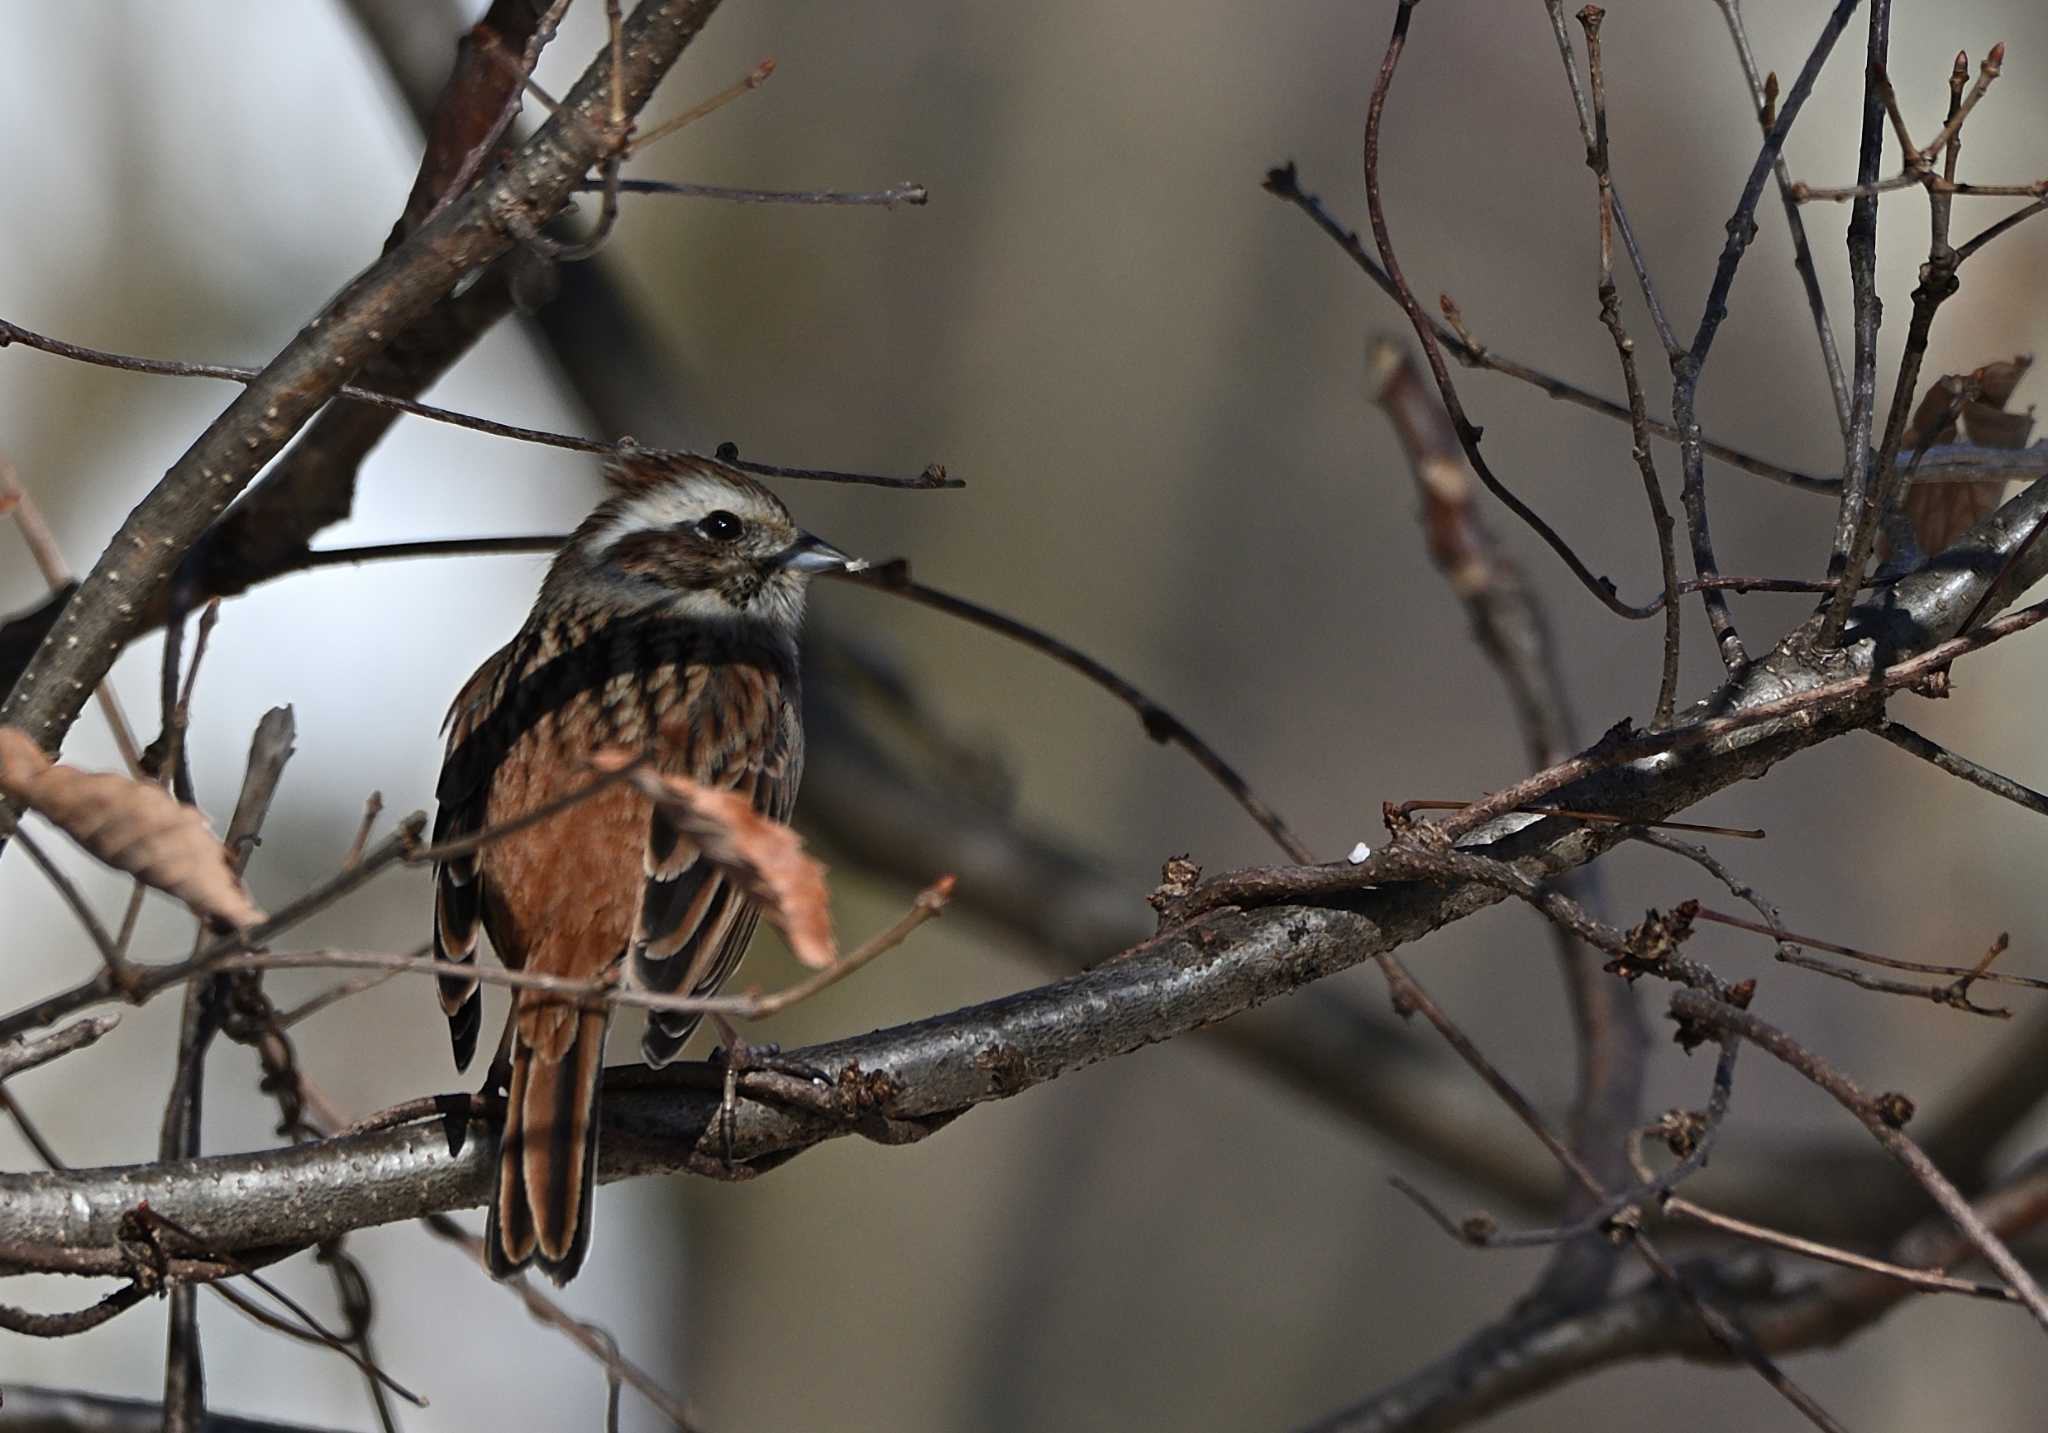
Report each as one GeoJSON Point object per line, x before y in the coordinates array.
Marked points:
{"type": "Point", "coordinates": [899, 1084]}
{"type": "Point", "coordinates": [1687, 368]}
{"type": "Point", "coordinates": [383, 301]}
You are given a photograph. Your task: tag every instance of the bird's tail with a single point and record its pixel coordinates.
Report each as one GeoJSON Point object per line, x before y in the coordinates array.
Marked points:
{"type": "Point", "coordinates": [547, 1154]}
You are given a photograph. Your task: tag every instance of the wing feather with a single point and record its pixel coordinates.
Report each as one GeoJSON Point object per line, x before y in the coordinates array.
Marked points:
{"type": "Point", "coordinates": [694, 925]}
{"type": "Point", "coordinates": [459, 881]}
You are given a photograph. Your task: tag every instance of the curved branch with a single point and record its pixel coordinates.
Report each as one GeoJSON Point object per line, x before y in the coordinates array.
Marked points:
{"type": "Point", "coordinates": [897, 1085]}
{"type": "Point", "coordinates": [381, 303]}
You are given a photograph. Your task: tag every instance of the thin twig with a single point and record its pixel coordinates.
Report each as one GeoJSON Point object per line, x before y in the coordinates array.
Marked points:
{"type": "Point", "coordinates": [1284, 182]}
{"type": "Point", "coordinates": [45, 1151]}
{"type": "Point", "coordinates": [49, 560]}
{"type": "Point", "coordinates": [2017, 217]}
{"type": "Point", "coordinates": [117, 966]}
{"type": "Point", "coordinates": [1468, 435]}
{"type": "Point", "coordinates": [1802, 252]}
{"type": "Point", "coordinates": [147, 981]}
{"type": "Point", "coordinates": [269, 750]}
{"type": "Point", "coordinates": [1409, 996]}
{"type": "Point", "coordinates": [229, 957]}
{"type": "Point", "coordinates": [1882, 1116]}
{"type": "Point", "coordinates": [1592, 124]}
{"type": "Point", "coordinates": [1686, 371]}
{"type": "Point", "coordinates": [745, 85]}
{"type": "Point", "coordinates": [1478, 1231]}
{"type": "Point", "coordinates": [593, 1340]}
{"type": "Point", "coordinates": [26, 1052]}
{"type": "Point", "coordinates": [1938, 282]}
{"type": "Point", "coordinates": [933, 477]}
{"type": "Point", "coordinates": [76, 1321]}
{"type": "Point", "coordinates": [334, 995]}
{"type": "Point", "coordinates": [1878, 985]}
{"type": "Point", "coordinates": [1160, 724]}
{"type": "Point", "coordinates": [373, 807]}
{"type": "Point", "coordinates": [1928, 1280]}
{"type": "Point", "coordinates": [1983, 777]}
{"type": "Point", "coordinates": [908, 192]}
{"type": "Point", "coordinates": [1971, 973]}
{"type": "Point", "coordinates": [1867, 313]}
{"type": "Point", "coordinates": [1610, 315]}
{"type": "Point", "coordinates": [309, 1329]}
{"type": "Point", "coordinates": [312, 1332]}
{"type": "Point", "coordinates": [927, 904]}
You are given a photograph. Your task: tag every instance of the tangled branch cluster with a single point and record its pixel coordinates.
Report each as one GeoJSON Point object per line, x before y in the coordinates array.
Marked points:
{"type": "Point", "coordinates": [485, 212]}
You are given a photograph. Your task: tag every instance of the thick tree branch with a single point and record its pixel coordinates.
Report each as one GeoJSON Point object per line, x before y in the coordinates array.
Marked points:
{"type": "Point", "coordinates": [383, 301]}
{"type": "Point", "coordinates": [898, 1084]}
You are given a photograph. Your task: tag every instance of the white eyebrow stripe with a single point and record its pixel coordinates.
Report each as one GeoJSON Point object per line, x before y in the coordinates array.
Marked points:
{"type": "Point", "coordinates": [671, 504]}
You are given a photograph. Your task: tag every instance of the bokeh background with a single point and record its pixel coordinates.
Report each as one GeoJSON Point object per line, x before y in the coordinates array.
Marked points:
{"type": "Point", "coordinates": [1151, 375]}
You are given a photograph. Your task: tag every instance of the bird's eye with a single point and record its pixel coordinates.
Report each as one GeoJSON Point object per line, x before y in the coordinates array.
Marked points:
{"type": "Point", "coordinates": [720, 526]}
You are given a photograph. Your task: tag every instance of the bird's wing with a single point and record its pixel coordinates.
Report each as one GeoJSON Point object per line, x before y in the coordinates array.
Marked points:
{"type": "Point", "coordinates": [741, 731]}
{"type": "Point", "coordinates": [463, 794]}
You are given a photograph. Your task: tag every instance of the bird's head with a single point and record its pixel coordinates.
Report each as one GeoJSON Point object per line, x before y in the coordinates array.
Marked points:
{"type": "Point", "coordinates": [697, 539]}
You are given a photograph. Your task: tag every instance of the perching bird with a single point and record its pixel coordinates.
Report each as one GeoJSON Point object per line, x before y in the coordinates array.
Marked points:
{"type": "Point", "coordinates": [668, 624]}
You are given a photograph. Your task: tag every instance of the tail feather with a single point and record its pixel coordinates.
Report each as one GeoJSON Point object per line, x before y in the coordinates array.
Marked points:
{"type": "Point", "coordinates": [547, 1155]}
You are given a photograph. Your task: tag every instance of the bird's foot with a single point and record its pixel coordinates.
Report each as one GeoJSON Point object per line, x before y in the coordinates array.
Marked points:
{"type": "Point", "coordinates": [768, 1074]}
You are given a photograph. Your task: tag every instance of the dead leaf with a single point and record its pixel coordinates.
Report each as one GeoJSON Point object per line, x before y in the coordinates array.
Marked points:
{"type": "Point", "coordinates": [766, 857]}
{"type": "Point", "coordinates": [1942, 512]}
{"type": "Point", "coordinates": [131, 825]}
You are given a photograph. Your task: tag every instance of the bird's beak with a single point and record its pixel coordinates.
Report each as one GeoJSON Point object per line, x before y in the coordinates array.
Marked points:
{"type": "Point", "coordinates": [810, 554]}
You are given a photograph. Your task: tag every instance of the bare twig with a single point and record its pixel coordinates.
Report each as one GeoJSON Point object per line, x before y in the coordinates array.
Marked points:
{"type": "Point", "coordinates": [1908, 740]}
{"type": "Point", "coordinates": [1686, 371]}
{"type": "Point", "coordinates": [1468, 435]}
{"type": "Point", "coordinates": [26, 1052]}
{"type": "Point", "coordinates": [745, 85]}
{"type": "Point", "coordinates": [1283, 182]}
{"type": "Point", "coordinates": [69, 1411]}
{"type": "Point", "coordinates": [592, 1339]}
{"type": "Point", "coordinates": [1160, 724]}
{"type": "Point", "coordinates": [1981, 971]}
{"type": "Point", "coordinates": [1624, 347]}
{"type": "Point", "coordinates": [908, 192]}
{"type": "Point", "coordinates": [1592, 124]}
{"type": "Point", "coordinates": [334, 995]}
{"type": "Point", "coordinates": [373, 807]}
{"type": "Point", "coordinates": [77, 1321]}
{"type": "Point", "coordinates": [1867, 313]}
{"type": "Point", "coordinates": [934, 476]}
{"type": "Point", "coordinates": [117, 968]}
{"type": "Point", "coordinates": [1479, 1231]}
{"type": "Point", "coordinates": [1882, 1115]}
{"type": "Point", "coordinates": [269, 750]}
{"type": "Point", "coordinates": [388, 298]}
{"type": "Point", "coordinates": [1512, 629]}
{"type": "Point", "coordinates": [146, 981]}
{"type": "Point", "coordinates": [1676, 1206]}
{"type": "Point", "coordinates": [1723, 1331]}
{"type": "Point", "coordinates": [49, 560]}
{"type": "Point", "coordinates": [1802, 252]}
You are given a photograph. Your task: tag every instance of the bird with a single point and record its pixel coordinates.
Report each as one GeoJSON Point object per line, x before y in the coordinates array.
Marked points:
{"type": "Point", "coordinates": [668, 625]}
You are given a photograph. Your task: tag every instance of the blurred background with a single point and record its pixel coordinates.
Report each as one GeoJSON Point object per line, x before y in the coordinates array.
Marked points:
{"type": "Point", "coordinates": [1151, 376]}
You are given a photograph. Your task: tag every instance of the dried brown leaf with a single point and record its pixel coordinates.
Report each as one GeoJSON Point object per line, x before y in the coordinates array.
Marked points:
{"type": "Point", "coordinates": [1942, 512]}
{"type": "Point", "coordinates": [766, 857]}
{"type": "Point", "coordinates": [131, 825]}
